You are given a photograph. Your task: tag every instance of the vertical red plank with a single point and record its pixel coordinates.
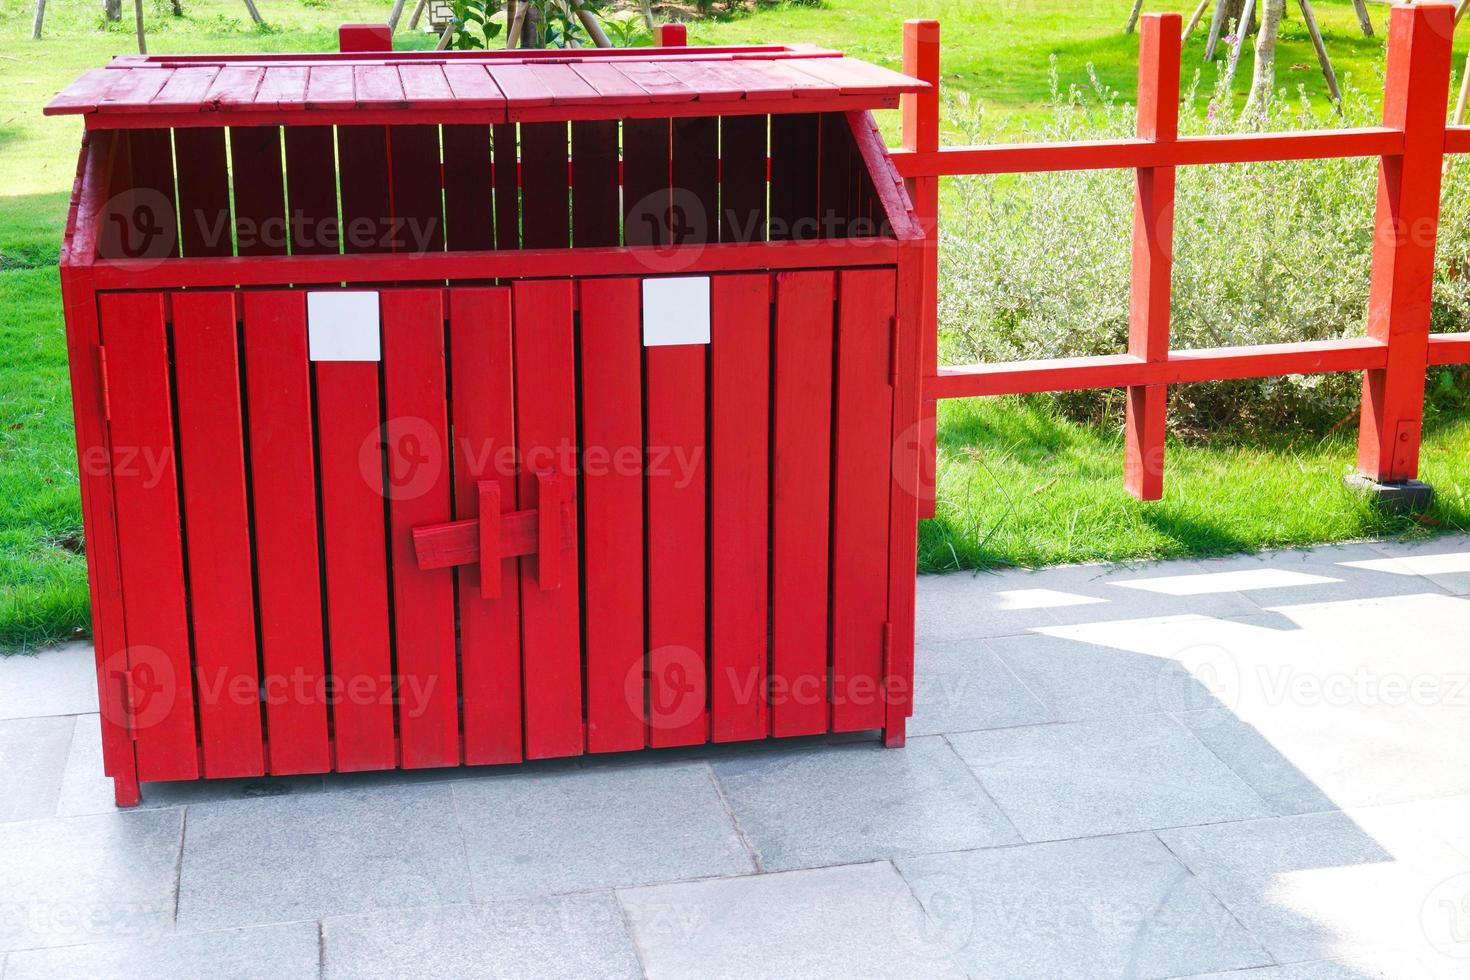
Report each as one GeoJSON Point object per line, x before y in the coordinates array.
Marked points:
{"type": "Point", "coordinates": [595, 208]}
{"type": "Point", "coordinates": [221, 589]}
{"type": "Point", "coordinates": [646, 177]}
{"type": "Point", "coordinates": [739, 425]}
{"type": "Point", "coordinates": [1153, 254]}
{"type": "Point", "coordinates": [507, 187]}
{"type": "Point", "coordinates": [260, 190]}
{"type": "Point", "coordinates": [833, 190]}
{"type": "Point", "coordinates": [145, 482]}
{"type": "Point", "coordinates": [795, 145]}
{"type": "Point", "coordinates": [355, 559]}
{"type": "Point", "coordinates": [860, 483]}
{"type": "Point", "coordinates": [612, 511]}
{"type": "Point", "coordinates": [311, 190]}
{"type": "Point", "coordinates": [469, 202]}
{"type": "Point", "coordinates": [674, 467]}
{"type": "Point", "coordinates": [545, 214]}
{"type": "Point", "coordinates": [204, 192]}
{"type": "Point", "coordinates": [147, 201]}
{"type": "Point", "coordinates": [696, 175]}
{"type": "Point", "coordinates": [546, 428]}
{"type": "Point", "coordinates": [417, 437]}
{"type": "Point", "coordinates": [288, 575]}
{"type": "Point", "coordinates": [921, 132]}
{"type": "Point", "coordinates": [418, 203]}
{"type": "Point", "coordinates": [1406, 229]}
{"type": "Point", "coordinates": [367, 205]}
{"type": "Point", "coordinates": [743, 153]}
{"type": "Point", "coordinates": [484, 449]}
{"type": "Point", "coordinates": [800, 502]}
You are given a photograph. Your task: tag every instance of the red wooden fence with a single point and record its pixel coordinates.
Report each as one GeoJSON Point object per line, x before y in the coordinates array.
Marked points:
{"type": "Point", "coordinates": [1398, 348]}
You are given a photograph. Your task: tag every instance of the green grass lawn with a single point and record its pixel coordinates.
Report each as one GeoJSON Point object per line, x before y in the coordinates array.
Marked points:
{"type": "Point", "coordinates": [1018, 485]}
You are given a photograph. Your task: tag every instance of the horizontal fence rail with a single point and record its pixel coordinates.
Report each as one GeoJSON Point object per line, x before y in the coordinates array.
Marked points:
{"type": "Point", "coordinates": [1411, 146]}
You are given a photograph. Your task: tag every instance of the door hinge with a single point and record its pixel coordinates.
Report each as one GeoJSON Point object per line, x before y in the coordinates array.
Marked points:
{"type": "Point", "coordinates": [104, 389]}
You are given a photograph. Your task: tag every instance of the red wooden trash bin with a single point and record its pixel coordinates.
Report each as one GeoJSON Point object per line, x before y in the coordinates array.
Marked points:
{"type": "Point", "coordinates": [463, 408]}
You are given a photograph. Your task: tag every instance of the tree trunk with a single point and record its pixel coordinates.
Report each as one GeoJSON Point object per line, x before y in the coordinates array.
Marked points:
{"type": "Point", "coordinates": [138, 17]}
{"type": "Point", "coordinates": [40, 16]}
{"type": "Point", "coordinates": [178, 8]}
{"type": "Point", "coordinates": [1263, 81]}
{"type": "Point", "coordinates": [1133, 17]}
{"type": "Point", "coordinates": [393, 17]}
{"type": "Point", "coordinates": [254, 14]}
{"type": "Point", "coordinates": [112, 10]}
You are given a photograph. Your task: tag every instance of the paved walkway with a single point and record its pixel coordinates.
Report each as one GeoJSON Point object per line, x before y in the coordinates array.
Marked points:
{"type": "Point", "coordinates": [1258, 765]}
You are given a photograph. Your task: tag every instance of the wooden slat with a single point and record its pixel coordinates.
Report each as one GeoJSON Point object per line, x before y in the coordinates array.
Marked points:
{"type": "Point", "coordinates": [185, 89]}
{"type": "Point", "coordinates": [1449, 348]}
{"type": "Point", "coordinates": [799, 83]}
{"type": "Point", "coordinates": [800, 483]}
{"type": "Point", "coordinates": [853, 77]}
{"type": "Point", "coordinates": [473, 87]}
{"type": "Point", "coordinates": [611, 84]}
{"type": "Point", "coordinates": [86, 93]}
{"type": "Point", "coordinates": [612, 508]}
{"type": "Point", "coordinates": [417, 441]}
{"type": "Point", "coordinates": [833, 169]}
{"type": "Point", "coordinates": [696, 180]}
{"type": "Point", "coordinates": [134, 91]}
{"type": "Point", "coordinates": [507, 188]}
{"type": "Point", "coordinates": [145, 485]}
{"type": "Point", "coordinates": [674, 471]}
{"type": "Point", "coordinates": [520, 86]}
{"type": "Point", "coordinates": [469, 204]}
{"type": "Point", "coordinates": [795, 143]}
{"type": "Point", "coordinates": [546, 424]}
{"type": "Point", "coordinates": [329, 87]}
{"type": "Point", "coordinates": [565, 85]}
{"type": "Point", "coordinates": [753, 82]}
{"type": "Point", "coordinates": [348, 418]}
{"type": "Point", "coordinates": [743, 178]}
{"type": "Point", "coordinates": [260, 201]}
{"type": "Point", "coordinates": [646, 176]}
{"type": "Point", "coordinates": [377, 86]}
{"type": "Point", "coordinates": [484, 435]}
{"type": "Point", "coordinates": [545, 218]}
{"type": "Point", "coordinates": [151, 231]}
{"type": "Point", "coordinates": [861, 473]}
{"type": "Point", "coordinates": [282, 87]}
{"type": "Point", "coordinates": [596, 209]}
{"type": "Point", "coordinates": [660, 85]}
{"type": "Point", "coordinates": [425, 87]}
{"type": "Point", "coordinates": [311, 190]}
{"type": "Point", "coordinates": [234, 86]}
{"type": "Point", "coordinates": [740, 364]}
{"type": "Point", "coordinates": [710, 84]}
{"type": "Point", "coordinates": [284, 495]}
{"type": "Point", "coordinates": [204, 192]}
{"type": "Point", "coordinates": [221, 588]}
{"type": "Point", "coordinates": [367, 206]}
{"type": "Point", "coordinates": [418, 200]}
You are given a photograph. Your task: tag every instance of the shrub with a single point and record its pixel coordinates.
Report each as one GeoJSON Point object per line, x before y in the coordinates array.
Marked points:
{"type": "Point", "coordinates": [1037, 265]}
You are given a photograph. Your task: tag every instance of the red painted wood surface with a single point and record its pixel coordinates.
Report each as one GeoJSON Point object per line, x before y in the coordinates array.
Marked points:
{"type": "Point", "coordinates": [480, 337]}
{"type": "Point", "coordinates": [795, 149]}
{"type": "Point", "coordinates": [260, 202]}
{"type": "Point", "coordinates": [739, 498]}
{"type": "Point", "coordinates": [363, 184]}
{"type": "Point", "coordinates": [148, 202]}
{"type": "Point", "coordinates": [1405, 231]}
{"type": "Point", "coordinates": [674, 475]}
{"type": "Point", "coordinates": [145, 482]}
{"type": "Point", "coordinates": [546, 430]}
{"type": "Point", "coordinates": [418, 204]}
{"type": "Point", "coordinates": [204, 192]}
{"type": "Point", "coordinates": [695, 148]}
{"type": "Point", "coordinates": [612, 510]}
{"type": "Point", "coordinates": [469, 207]}
{"type": "Point", "coordinates": [545, 219]}
{"type": "Point", "coordinates": [354, 549]}
{"type": "Point", "coordinates": [507, 188]}
{"type": "Point", "coordinates": [801, 494]}
{"type": "Point", "coordinates": [416, 440]}
{"type": "Point", "coordinates": [861, 477]}
{"type": "Point", "coordinates": [596, 210]}
{"type": "Point", "coordinates": [288, 576]}
{"type": "Point", "coordinates": [743, 155]}
{"type": "Point", "coordinates": [221, 587]}
{"type": "Point", "coordinates": [921, 135]}
{"type": "Point", "coordinates": [646, 181]}
{"type": "Point", "coordinates": [312, 180]}
{"type": "Point", "coordinates": [833, 177]}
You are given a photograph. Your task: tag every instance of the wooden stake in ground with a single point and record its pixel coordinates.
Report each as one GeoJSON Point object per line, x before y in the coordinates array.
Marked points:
{"type": "Point", "coordinates": [647, 7]}
{"type": "Point", "coordinates": [40, 16]}
{"type": "Point", "coordinates": [592, 24]}
{"type": "Point", "coordinates": [1133, 16]}
{"type": "Point", "coordinates": [1310, 19]}
{"type": "Point", "coordinates": [1364, 21]}
{"type": "Point", "coordinates": [138, 16]}
{"type": "Point", "coordinates": [393, 17]}
{"type": "Point", "coordinates": [515, 21]}
{"type": "Point", "coordinates": [1263, 79]}
{"type": "Point", "coordinates": [1195, 18]}
{"type": "Point", "coordinates": [418, 11]}
{"type": "Point", "coordinates": [1239, 44]}
{"type": "Point", "coordinates": [112, 10]}
{"type": "Point", "coordinates": [254, 14]}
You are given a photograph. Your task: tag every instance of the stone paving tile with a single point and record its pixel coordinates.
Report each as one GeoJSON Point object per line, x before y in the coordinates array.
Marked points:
{"type": "Point", "coordinates": [1335, 565]}
{"type": "Point", "coordinates": [32, 754]}
{"type": "Point", "coordinates": [84, 879]}
{"type": "Point", "coordinates": [1116, 585]}
{"type": "Point", "coordinates": [594, 829]}
{"type": "Point", "coordinates": [1114, 776]}
{"type": "Point", "coordinates": [574, 936]}
{"type": "Point", "coordinates": [58, 681]}
{"type": "Point", "coordinates": [852, 921]}
{"type": "Point", "coordinates": [968, 606]}
{"type": "Point", "coordinates": [274, 952]}
{"type": "Point", "coordinates": [1319, 886]}
{"type": "Point", "coordinates": [1444, 561]}
{"type": "Point", "coordinates": [303, 857]}
{"type": "Point", "coordinates": [1378, 965]}
{"type": "Point", "coordinates": [964, 687]}
{"type": "Point", "coordinates": [1105, 907]}
{"type": "Point", "coordinates": [1257, 760]}
{"type": "Point", "coordinates": [851, 803]}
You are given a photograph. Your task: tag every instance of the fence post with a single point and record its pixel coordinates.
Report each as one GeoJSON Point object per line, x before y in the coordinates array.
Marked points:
{"type": "Point", "coordinates": [1153, 254]}
{"type": "Point", "coordinates": [921, 133]}
{"type": "Point", "coordinates": [671, 36]}
{"type": "Point", "coordinates": [1406, 226]}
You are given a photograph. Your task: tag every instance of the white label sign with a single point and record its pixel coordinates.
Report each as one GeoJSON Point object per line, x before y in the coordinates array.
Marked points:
{"type": "Point", "coordinates": [676, 311]}
{"type": "Point", "coordinates": [343, 326]}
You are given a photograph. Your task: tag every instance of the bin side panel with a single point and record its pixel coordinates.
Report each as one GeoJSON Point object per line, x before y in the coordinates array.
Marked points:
{"type": "Point", "coordinates": [260, 190]}
{"type": "Point", "coordinates": [545, 218]}
{"type": "Point", "coordinates": [145, 482]}
{"type": "Point", "coordinates": [612, 512]}
{"type": "Point", "coordinates": [696, 176]}
{"type": "Point", "coordinates": [150, 183]}
{"type": "Point", "coordinates": [674, 468]}
{"type": "Point", "coordinates": [546, 432]}
{"type": "Point", "coordinates": [418, 202]}
{"type": "Point", "coordinates": [354, 553]}
{"type": "Point", "coordinates": [507, 187]}
{"type": "Point", "coordinates": [743, 162]}
{"type": "Point", "coordinates": [646, 178]}
{"type": "Point", "coordinates": [740, 366]}
{"type": "Point", "coordinates": [283, 490]}
{"type": "Point", "coordinates": [800, 505]}
{"type": "Point", "coordinates": [311, 190]}
{"type": "Point", "coordinates": [833, 177]}
{"type": "Point", "coordinates": [795, 150]}
{"type": "Point", "coordinates": [596, 211]}
{"type": "Point", "coordinates": [483, 394]}
{"type": "Point", "coordinates": [367, 206]}
{"type": "Point", "coordinates": [221, 586]}
{"type": "Point", "coordinates": [417, 444]}
{"type": "Point", "coordinates": [204, 192]}
{"type": "Point", "coordinates": [469, 202]}
{"type": "Point", "coordinates": [861, 476]}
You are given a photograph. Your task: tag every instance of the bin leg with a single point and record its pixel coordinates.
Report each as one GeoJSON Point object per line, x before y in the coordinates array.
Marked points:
{"type": "Point", "coordinates": [125, 790]}
{"type": "Point", "coordinates": [894, 735]}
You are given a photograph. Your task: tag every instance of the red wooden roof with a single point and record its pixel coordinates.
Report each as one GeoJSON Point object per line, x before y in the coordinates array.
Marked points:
{"type": "Point", "coordinates": [208, 90]}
